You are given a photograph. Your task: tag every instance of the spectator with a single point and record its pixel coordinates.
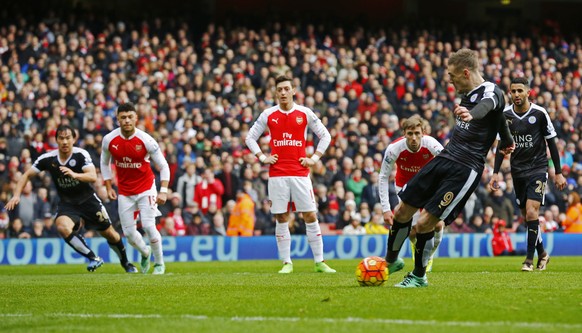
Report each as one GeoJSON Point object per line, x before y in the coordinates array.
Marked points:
{"type": "Point", "coordinates": [16, 229]}
{"type": "Point", "coordinates": [198, 227]}
{"type": "Point", "coordinates": [370, 193]}
{"type": "Point", "coordinates": [50, 229]}
{"type": "Point", "coordinates": [376, 226]}
{"type": "Point", "coordinates": [356, 185]}
{"type": "Point", "coordinates": [208, 191]}
{"type": "Point", "coordinates": [218, 228]}
{"type": "Point", "coordinates": [548, 222]}
{"type": "Point", "coordinates": [230, 181]}
{"type": "Point", "coordinates": [264, 224]}
{"type": "Point", "coordinates": [355, 227]}
{"type": "Point", "coordinates": [4, 220]}
{"type": "Point", "coordinates": [459, 226]}
{"type": "Point", "coordinates": [167, 227]}
{"type": "Point", "coordinates": [333, 215]}
{"type": "Point", "coordinates": [573, 222]}
{"type": "Point", "coordinates": [25, 210]}
{"type": "Point", "coordinates": [476, 223]}
{"type": "Point", "coordinates": [38, 230]}
{"type": "Point", "coordinates": [501, 242]}
{"type": "Point", "coordinates": [501, 205]}
{"type": "Point", "coordinates": [242, 220]}
{"type": "Point", "coordinates": [179, 223]}
{"type": "Point", "coordinates": [186, 184]}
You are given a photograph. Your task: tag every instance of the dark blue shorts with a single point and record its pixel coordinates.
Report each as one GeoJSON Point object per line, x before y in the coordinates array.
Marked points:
{"type": "Point", "coordinates": [442, 187]}
{"type": "Point", "coordinates": [91, 211]}
{"type": "Point", "coordinates": [530, 188]}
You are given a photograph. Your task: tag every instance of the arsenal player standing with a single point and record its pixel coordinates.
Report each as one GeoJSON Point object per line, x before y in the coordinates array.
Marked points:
{"type": "Point", "coordinates": [130, 150]}
{"type": "Point", "coordinates": [409, 153]}
{"type": "Point", "coordinates": [289, 186]}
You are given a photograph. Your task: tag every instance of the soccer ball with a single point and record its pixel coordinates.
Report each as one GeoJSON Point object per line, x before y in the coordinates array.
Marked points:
{"type": "Point", "coordinates": [372, 272]}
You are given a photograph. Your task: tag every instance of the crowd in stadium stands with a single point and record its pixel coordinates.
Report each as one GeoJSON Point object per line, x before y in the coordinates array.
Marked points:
{"type": "Point", "coordinates": [197, 95]}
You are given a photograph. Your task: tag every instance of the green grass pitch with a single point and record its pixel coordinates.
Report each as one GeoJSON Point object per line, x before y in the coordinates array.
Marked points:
{"type": "Point", "coordinates": [465, 295]}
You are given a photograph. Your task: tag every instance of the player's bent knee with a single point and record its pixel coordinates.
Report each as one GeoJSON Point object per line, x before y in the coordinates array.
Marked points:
{"type": "Point", "coordinates": [131, 234]}
{"type": "Point", "coordinates": [153, 234]}
{"type": "Point", "coordinates": [404, 212]}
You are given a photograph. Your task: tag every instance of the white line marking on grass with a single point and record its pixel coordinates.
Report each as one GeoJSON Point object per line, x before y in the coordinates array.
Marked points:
{"type": "Point", "coordinates": [537, 325]}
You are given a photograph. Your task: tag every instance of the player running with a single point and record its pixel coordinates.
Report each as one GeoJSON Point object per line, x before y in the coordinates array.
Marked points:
{"type": "Point", "coordinates": [130, 150]}
{"type": "Point", "coordinates": [73, 172]}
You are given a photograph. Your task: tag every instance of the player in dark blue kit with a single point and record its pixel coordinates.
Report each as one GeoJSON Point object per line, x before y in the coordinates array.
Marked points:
{"type": "Point", "coordinates": [443, 186]}
{"type": "Point", "coordinates": [73, 172]}
{"type": "Point", "coordinates": [531, 128]}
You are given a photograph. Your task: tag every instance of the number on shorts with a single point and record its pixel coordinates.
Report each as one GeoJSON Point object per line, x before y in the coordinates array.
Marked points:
{"type": "Point", "coordinates": [102, 215]}
{"type": "Point", "coordinates": [447, 199]}
{"type": "Point", "coordinates": [541, 187]}
{"type": "Point", "coordinates": [152, 200]}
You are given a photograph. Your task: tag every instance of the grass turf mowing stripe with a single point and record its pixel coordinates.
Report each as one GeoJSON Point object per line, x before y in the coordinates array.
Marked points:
{"type": "Point", "coordinates": [506, 324]}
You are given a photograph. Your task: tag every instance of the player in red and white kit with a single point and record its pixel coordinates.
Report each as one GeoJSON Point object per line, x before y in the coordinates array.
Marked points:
{"type": "Point", "coordinates": [409, 153]}
{"type": "Point", "coordinates": [130, 149]}
{"type": "Point", "coordinates": [289, 184]}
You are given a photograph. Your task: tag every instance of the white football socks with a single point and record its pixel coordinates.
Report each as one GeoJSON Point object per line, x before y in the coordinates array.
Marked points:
{"type": "Point", "coordinates": [134, 238]}
{"type": "Point", "coordinates": [438, 237]}
{"type": "Point", "coordinates": [156, 244]}
{"type": "Point", "coordinates": [283, 241]}
{"type": "Point", "coordinates": [315, 241]}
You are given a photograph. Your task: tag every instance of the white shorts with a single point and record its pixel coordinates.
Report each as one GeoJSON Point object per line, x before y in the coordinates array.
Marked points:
{"type": "Point", "coordinates": [143, 203]}
{"type": "Point", "coordinates": [291, 194]}
{"type": "Point", "coordinates": [416, 215]}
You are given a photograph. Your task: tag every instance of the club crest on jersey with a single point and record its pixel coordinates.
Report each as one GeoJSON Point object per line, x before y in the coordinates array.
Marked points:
{"type": "Point", "coordinates": [138, 147]}
{"type": "Point", "coordinates": [72, 163]}
{"type": "Point", "coordinates": [473, 98]}
{"type": "Point", "coordinates": [299, 120]}
{"type": "Point", "coordinates": [425, 156]}
{"type": "Point", "coordinates": [531, 120]}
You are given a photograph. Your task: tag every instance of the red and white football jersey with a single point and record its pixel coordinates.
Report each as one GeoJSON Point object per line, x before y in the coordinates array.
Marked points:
{"type": "Point", "coordinates": [408, 163]}
{"type": "Point", "coordinates": [288, 133]}
{"type": "Point", "coordinates": [131, 157]}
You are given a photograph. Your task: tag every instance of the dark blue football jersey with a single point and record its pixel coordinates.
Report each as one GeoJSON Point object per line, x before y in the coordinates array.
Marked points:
{"type": "Point", "coordinates": [470, 141]}
{"type": "Point", "coordinates": [70, 190]}
{"type": "Point", "coordinates": [530, 130]}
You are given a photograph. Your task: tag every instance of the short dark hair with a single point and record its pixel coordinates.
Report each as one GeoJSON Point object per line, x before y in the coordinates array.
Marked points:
{"type": "Point", "coordinates": [520, 80]}
{"type": "Point", "coordinates": [126, 107]}
{"type": "Point", "coordinates": [283, 78]}
{"type": "Point", "coordinates": [64, 128]}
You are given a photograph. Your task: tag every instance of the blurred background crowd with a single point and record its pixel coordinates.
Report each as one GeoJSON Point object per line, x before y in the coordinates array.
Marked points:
{"type": "Point", "coordinates": [198, 90]}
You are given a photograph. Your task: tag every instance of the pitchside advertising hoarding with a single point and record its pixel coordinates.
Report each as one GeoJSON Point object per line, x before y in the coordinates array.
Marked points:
{"type": "Point", "coordinates": [215, 248]}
